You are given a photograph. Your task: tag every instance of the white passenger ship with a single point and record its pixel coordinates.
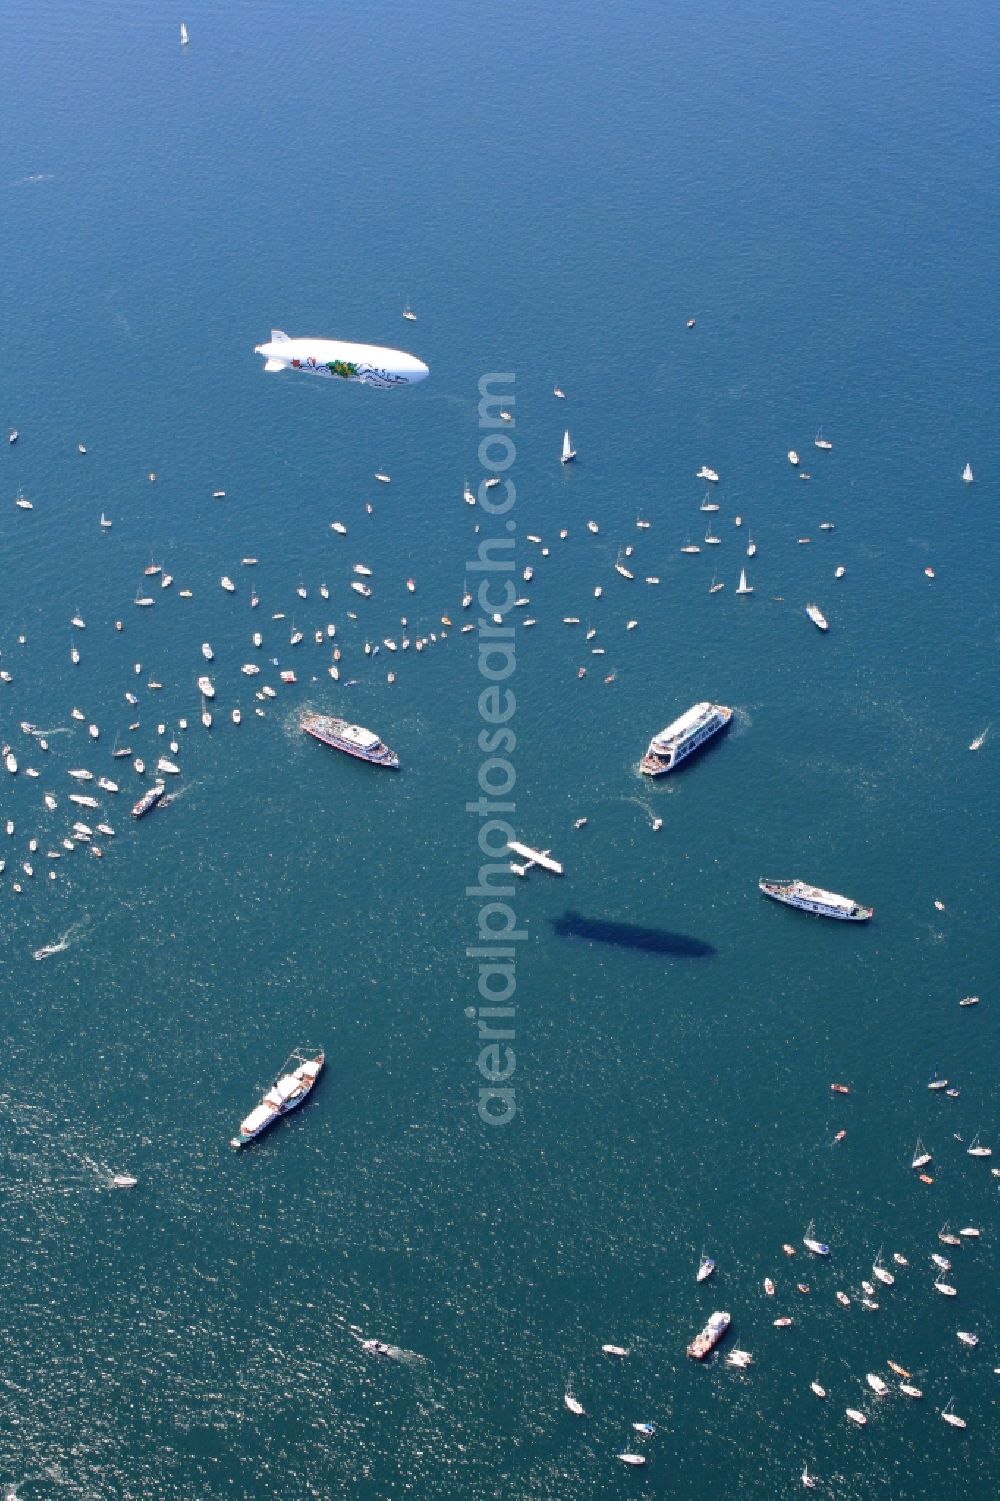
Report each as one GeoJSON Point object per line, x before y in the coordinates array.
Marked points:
{"type": "Point", "coordinates": [683, 737]}
{"type": "Point", "coordinates": [814, 899]}
{"type": "Point", "coordinates": [289, 1090]}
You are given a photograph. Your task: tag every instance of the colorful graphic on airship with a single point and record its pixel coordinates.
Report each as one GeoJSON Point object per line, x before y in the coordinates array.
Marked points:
{"type": "Point", "coordinates": [368, 364]}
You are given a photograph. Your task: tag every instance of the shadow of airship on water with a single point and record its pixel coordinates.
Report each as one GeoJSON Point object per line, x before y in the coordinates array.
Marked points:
{"type": "Point", "coordinates": [629, 935]}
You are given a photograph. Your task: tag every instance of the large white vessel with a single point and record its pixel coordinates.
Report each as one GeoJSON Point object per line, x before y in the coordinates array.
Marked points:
{"type": "Point", "coordinates": [709, 1336]}
{"type": "Point", "coordinates": [684, 736]}
{"type": "Point", "coordinates": [293, 1084]}
{"type": "Point", "coordinates": [814, 899]}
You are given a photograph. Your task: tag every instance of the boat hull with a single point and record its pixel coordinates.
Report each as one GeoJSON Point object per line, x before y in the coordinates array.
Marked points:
{"type": "Point", "coordinates": [816, 903]}
{"type": "Point", "coordinates": [280, 1100]}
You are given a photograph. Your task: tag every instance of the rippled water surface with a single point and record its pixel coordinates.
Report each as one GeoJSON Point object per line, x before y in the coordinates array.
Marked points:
{"type": "Point", "coordinates": [556, 190]}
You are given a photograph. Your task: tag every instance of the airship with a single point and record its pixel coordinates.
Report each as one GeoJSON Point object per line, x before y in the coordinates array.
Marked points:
{"type": "Point", "coordinates": [368, 364]}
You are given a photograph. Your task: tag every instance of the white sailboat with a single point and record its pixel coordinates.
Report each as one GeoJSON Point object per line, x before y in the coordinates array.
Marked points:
{"type": "Point", "coordinates": [184, 35]}
{"type": "Point", "coordinates": [568, 451]}
{"type": "Point", "coordinates": [921, 1156]}
{"type": "Point", "coordinates": [743, 587]}
{"type": "Point", "coordinates": [967, 474]}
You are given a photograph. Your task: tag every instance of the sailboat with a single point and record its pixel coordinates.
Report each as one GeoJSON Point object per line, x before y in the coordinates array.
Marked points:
{"type": "Point", "coordinates": [743, 587]}
{"type": "Point", "coordinates": [184, 35]}
{"type": "Point", "coordinates": [952, 1417]}
{"type": "Point", "coordinates": [967, 474]}
{"type": "Point", "coordinates": [977, 744]}
{"type": "Point", "coordinates": [708, 505]}
{"type": "Point", "coordinates": [820, 442]}
{"type": "Point", "coordinates": [706, 1267]}
{"type": "Point", "coordinates": [921, 1156]}
{"type": "Point", "coordinates": [975, 1150]}
{"type": "Point", "coordinates": [751, 547]}
{"type": "Point", "coordinates": [409, 314]}
{"type": "Point", "coordinates": [710, 538]}
{"type": "Point", "coordinates": [809, 1481]}
{"type": "Point", "coordinates": [568, 451]}
{"type": "Point", "coordinates": [713, 587]}
{"type": "Point", "coordinates": [818, 1247]}
{"type": "Point", "coordinates": [105, 523]}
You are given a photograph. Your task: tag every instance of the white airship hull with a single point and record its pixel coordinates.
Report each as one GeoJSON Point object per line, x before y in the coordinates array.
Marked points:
{"type": "Point", "coordinates": [368, 364]}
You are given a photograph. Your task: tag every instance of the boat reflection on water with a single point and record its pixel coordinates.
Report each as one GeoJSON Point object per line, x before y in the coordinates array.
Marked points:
{"type": "Point", "coordinates": [631, 936]}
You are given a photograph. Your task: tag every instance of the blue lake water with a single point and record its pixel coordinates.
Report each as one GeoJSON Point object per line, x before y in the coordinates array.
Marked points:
{"type": "Point", "coordinates": [555, 189]}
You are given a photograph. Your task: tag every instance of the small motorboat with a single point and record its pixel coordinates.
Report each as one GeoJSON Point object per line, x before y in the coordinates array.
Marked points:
{"type": "Point", "coordinates": [856, 1417]}
{"type": "Point", "coordinates": [952, 1417]}
{"type": "Point", "coordinates": [910, 1391]}
{"type": "Point", "coordinates": [878, 1386]}
{"type": "Point", "coordinates": [843, 1300]}
{"type": "Point", "coordinates": [816, 1389]}
{"type": "Point", "coordinates": [123, 1180]}
{"type": "Point", "coordinates": [573, 1406]}
{"type": "Point", "coordinates": [636, 1459]}
{"type": "Point", "coordinates": [618, 1350]}
{"type": "Point", "coordinates": [970, 1340]}
{"type": "Point", "coordinates": [769, 1287]}
{"type": "Point", "coordinates": [782, 1323]}
{"type": "Point", "coordinates": [898, 1370]}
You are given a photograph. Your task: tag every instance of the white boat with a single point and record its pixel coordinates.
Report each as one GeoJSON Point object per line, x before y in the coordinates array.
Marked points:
{"type": "Point", "coordinates": [559, 393]}
{"type": "Point", "coordinates": [793, 457]}
{"type": "Point", "coordinates": [227, 584]}
{"type": "Point", "coordinates": [107, 784]}
{"type": "Point", "coordinates": [969, 1232]}
{"type": "Point", "coordinates": [409, 314]}
{"type": "Point", "coordinates": [878, 1386]}
{"type": "Point", "coordinates": [633, 1459]}
{"type": "Point", "coordinates": [820, 442]}
{"type": "Point", "coordinates": [383, 478]}
{"type": "Point", "coordinates": [360, 588]}
{"type": "Point", "coordinates": [711, 538]}
{"type": "Point", "coordinates": [618, 1350]}
{"type": "Point", "coordinates": [207, 651]}
{"type": "Point", "coordinates": [909, 1390]}
{"type": "Point", "coordinates": [816, 1389]}
{"type": "Point", "coordinates": [80, 774]}
{"type": "Point", "coordinates": [815, 900]}
{"type": "Point", "coordinates": [839, 572]}
{"type": "Point", "coordinates": [123, 1180]}
{"type": "Point", "coordinates": [105, 523]}
{"type": "Point", "coordinates": [164, 764]}
{"type": "Point", "coordinates": [880, 1274]}
{"type": "Point", "coordinates": [743, 587]}
{"type": "Point", "coordinates": [340, 528]}
{"type": "Point", "coordinates": [946, 1289]}
{"type": "Point", "coordinates": [975, 1150]}
{"type": "Point", "coordinates": [817, 617]}
{"type": "Point", "coordinates": [363, 570]}
{"type": "Point", "coordinates": [921, 1156]}
{"type": "Point", "coordinates": [568, 451]}
{"type": "Point", "coordinates": [741, 1359]}
{"type": "Point", "coordinates": [952, 1417]}
{"type": "Point", "coordinates": [184, 35]}
{"type": "Point", "coordinates": [751, 548]}
{"type": "Point", "coordinates": [22, 502]}
{"type": "Point", "coordinates": [207, 687]}
{"type": "Point", "coordinates": [705, 1268]}
{"type": "Point", "coordinates": [808, 1480]}
{"type": "Point", "coordinates": [856, 1416]}
{"type": "Point", "coordinates": [690, 547]}
{"type": "Point", "coordinates": [946, 1237]}
{"type": "Point", "coordinates": [967, 474]}
{"type": "Point", "coordinates": [941, 1262]}
{"type": "Point", "coordinates": [705, 473]}
{"type": "Point", "coordinates": [292, 1086]}
{"type": "Point", "coordinates": [708, 504]}
{"type": "Point", "coordinates": [573, 1405]}
{"type": "Point", "coordinates": [237, 716]}
{"type": "Point", "coordinates": [971, 1340]}
{"type": "Point", "coordinates": [817, 1247]}
{"type": "Point", "coordinates": [683, 736]}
